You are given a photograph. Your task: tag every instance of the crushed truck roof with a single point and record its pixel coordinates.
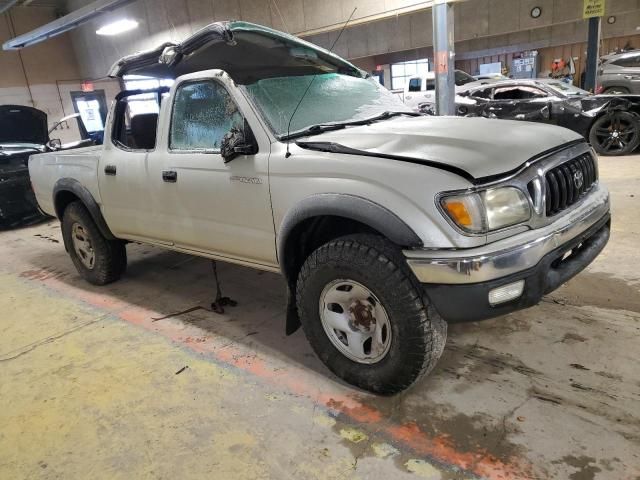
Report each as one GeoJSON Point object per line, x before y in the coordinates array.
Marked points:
{"type": "Point", "coordinates": [246, 51]}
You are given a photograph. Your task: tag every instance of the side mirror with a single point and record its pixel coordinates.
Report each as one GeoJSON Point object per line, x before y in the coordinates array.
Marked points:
{"type": "Point", "coordinates": [54, 144]}
{"type": "Point", "coordinates": [239, 141]}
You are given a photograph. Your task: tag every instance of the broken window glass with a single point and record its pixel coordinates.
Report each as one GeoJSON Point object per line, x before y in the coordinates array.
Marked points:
{"type": "Point", "coordinates": [203, 114]}
{"type": "Point", "coordinates": [330, 98]}
{"type": "Point", "coordinates": [518, 93]}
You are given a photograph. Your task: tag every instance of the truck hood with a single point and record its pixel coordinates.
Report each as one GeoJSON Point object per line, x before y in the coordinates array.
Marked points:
{"type": "Point", "coordinates": [20, 124]}
{"type": "Point", "coordinates": [476, 148]}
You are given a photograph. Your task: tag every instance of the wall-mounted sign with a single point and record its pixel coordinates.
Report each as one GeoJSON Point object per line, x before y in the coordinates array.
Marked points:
{"type": "Point", "coordinates": [593, 8]}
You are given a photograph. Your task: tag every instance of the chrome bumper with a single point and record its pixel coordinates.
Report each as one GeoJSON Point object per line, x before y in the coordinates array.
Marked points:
{"type": "Point", "coordinates": [508, 256]}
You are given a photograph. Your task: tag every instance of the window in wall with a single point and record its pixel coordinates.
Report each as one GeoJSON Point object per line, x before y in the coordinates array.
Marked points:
{"type": "Point", "coordinates": [203, 113]}
{"type": "Point", "coordinates": [400, 72]}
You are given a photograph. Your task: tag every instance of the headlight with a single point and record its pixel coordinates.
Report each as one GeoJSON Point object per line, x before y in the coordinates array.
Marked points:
{"type": "Point", "coordinates": [489, 210]}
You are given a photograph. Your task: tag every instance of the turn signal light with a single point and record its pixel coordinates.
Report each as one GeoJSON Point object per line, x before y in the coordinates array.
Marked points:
{"type": "Point", "coordinates": [459, 213]}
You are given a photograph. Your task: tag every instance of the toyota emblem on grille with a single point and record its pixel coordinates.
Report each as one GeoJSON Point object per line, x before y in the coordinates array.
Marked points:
{"type": "Point", "coordinates": [578, 178]}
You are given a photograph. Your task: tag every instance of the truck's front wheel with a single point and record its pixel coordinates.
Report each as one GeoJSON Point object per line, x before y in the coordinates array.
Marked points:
{"type": "Point", "coordinates": [366, 315]}
{"type": "Point", "coordinates": [97, 259]}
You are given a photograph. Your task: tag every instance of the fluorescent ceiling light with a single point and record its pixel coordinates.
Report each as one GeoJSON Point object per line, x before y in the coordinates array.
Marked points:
{"type": "Point", "coordinates": [117, 27]}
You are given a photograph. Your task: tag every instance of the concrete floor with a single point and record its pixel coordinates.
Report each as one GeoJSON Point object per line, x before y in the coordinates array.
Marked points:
{"type": "Point", "coordinates": [116, 382]}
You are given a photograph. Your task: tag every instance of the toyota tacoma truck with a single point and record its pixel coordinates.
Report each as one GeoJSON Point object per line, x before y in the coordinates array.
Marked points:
{"type": "Point", "coordinates": [273, 153]}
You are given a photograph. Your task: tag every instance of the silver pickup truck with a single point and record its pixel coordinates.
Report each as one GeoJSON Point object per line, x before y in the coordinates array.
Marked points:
{"type": "Point", "coordinates": [385, 224]}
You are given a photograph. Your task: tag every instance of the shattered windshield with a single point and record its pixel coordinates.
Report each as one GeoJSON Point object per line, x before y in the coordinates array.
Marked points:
{"type": "Point", "coordinates": [331, 98]}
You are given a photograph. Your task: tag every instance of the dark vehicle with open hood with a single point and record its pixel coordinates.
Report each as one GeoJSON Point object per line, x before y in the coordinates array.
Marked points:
{"type": "Point", "coordinates": [611, 123]}
{"type": "Point", "coordinates": [23, 132]}
{"type": "Point", "coordinates": [270, 152]}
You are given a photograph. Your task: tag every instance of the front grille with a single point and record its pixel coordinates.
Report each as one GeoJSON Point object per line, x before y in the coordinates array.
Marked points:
{"type": "Point", "coordinates": [566, 183]}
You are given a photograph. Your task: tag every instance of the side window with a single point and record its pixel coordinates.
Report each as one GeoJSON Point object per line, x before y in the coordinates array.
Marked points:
{"type": "Point", "coordinates": [518, 93]}
{"type": "Point", "coordinates": [482, 93]}
{"type": "Point", "coordinates": [431, 84]}
{"type": "Point", "coordinates": [629, 62]}
{"type": "Point", "coordinates": [136, 121]}
{"type": "Point", "coordinates": [462, 78]}
{"type": "Point", "coordinates": [415, 84]}
{"type": "Point", "coordinates": [203, 113]}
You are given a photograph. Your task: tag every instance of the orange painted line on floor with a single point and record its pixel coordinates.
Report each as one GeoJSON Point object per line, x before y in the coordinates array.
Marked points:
{"type": "Point", "coordinates": [292, 378]}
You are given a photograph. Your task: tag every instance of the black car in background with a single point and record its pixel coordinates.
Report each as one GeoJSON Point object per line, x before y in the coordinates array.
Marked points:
{"type": "Point", "coordinates": [611, 123]}
{"type": "Point", "coordinates": [24, 132]}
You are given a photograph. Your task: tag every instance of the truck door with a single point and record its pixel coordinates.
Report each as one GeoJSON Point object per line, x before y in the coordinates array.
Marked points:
{"type": "Point", "coordinates": [122, 172]}
{"type": "Point", "coordinates": [200, 202]}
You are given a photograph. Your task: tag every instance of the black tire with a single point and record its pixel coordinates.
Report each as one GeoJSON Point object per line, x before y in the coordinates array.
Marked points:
{"type": "Point", "coordinates": [616, 133]}
{"type": "Point", "coordinates": [616, 91]}
{"type": "Point", "coordinates": [110, 256]}
{"type": "Point", "coordinates": [418, 332]}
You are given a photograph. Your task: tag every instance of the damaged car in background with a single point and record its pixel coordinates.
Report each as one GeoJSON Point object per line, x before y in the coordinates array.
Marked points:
{"type": "Point", "coordinates": [611, 123]}
{"type": "Point", "coordinates": [23, 132]}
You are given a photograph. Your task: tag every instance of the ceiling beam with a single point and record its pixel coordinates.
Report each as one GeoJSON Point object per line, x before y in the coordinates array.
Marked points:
{"type": "Point", "coordinates": [6, 5]}
{"type": "Point", "coordinates": [63, 24]}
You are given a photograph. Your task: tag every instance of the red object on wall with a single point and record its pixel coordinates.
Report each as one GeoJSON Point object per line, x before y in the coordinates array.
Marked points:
{"type": "Point", "coordinates": [442, 62]}
{"type": "Point", "coordinates": [87, 87]}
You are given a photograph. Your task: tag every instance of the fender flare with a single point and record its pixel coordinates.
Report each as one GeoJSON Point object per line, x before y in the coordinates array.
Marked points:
{"type": "Point", "coordinates": [348, 206]}
{"type": "Point", "coordinates": [75, 187]}
{"type": "Point", "coordinates": [342, 205]}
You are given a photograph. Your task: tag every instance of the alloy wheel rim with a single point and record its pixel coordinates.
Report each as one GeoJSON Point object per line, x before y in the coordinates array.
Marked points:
{"type": "Point", "coordinates": [83, 246]}
{"type": "Point", "coordinates": [615, 135]}
{"type": "Point", "coordinates": [355, 321]}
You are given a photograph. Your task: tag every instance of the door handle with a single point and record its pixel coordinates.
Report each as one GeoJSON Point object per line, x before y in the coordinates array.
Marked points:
{"type": "Point", "coordinates": [110, 170]}
{"type": "Point", "coordinates": [170, 176]}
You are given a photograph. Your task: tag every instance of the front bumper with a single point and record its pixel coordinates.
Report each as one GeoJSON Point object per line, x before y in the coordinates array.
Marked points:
{"type": "Point", "coordinates": [459, 286]}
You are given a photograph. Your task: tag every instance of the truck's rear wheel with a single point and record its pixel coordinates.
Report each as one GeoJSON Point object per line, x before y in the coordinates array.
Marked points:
{"type": "Point", "coordinates": [98, 260]}
{"type": "Point", "coordinates": [366, 316]}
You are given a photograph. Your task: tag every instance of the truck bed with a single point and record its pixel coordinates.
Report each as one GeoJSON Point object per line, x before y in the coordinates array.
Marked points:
{"type": "Point", "coordinates": [45, 169]}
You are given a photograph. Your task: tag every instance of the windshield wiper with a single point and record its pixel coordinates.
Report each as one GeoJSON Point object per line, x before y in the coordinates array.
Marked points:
{"type": "Point", "coordinates": [326, 127]}
{"type": "Point", "coordinates": [387, 115]}
{"type": "Point", "coordinates": [314, 130]}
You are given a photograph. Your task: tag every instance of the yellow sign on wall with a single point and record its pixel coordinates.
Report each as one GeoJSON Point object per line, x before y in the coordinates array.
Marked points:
{"type": "Point", "coordinates": [593, 8]}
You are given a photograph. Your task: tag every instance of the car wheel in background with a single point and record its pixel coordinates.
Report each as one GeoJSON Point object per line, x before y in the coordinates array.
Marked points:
{"type": "Point", "coordinates": [366, 315]}
{"type": "Point", "coordinates": [98, 260]}
{"type": "Point", "coordinates": [616, 133]}
{"type": "Point", "coordinates": [616, 91]}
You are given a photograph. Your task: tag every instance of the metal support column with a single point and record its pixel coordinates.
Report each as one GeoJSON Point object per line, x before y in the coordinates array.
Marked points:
{"type": "Point", "coordinates": [444, 57]}
{"type": "Point", "coordinates": [593, 44]}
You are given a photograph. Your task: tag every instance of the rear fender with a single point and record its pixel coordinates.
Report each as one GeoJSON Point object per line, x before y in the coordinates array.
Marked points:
{"type": "Point", "coordinates": [69, 185]}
